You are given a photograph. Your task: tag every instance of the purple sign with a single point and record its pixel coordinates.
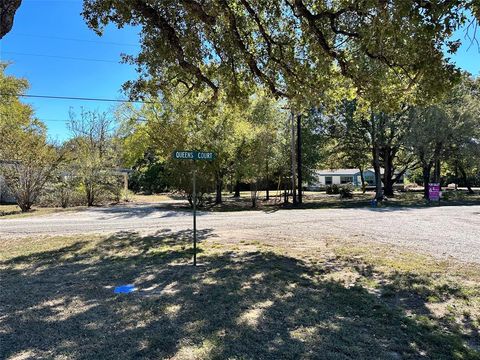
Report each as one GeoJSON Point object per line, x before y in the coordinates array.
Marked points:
{"type": "Point", "coordinates": [434, 192]}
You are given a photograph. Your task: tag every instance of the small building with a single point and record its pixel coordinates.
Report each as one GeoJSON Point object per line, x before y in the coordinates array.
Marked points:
{"type": "Point", "coordinates": [124, 173]}
{"type": "Point", "coordinates": [324, 178]}
{"type": "Point", "coordinates": [6, 195]}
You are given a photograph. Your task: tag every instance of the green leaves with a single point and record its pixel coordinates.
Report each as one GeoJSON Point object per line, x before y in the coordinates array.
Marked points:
{"type": "Point", "coordinates": [296, 49]}
{"type": "Point", "coordinates": [26, 158]}
{"type": "Point", "coordinates": [243, 135]}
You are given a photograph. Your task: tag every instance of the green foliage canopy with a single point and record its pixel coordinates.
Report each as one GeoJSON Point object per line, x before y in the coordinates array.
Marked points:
{"type": "Point", "coordinates": [298, 49]}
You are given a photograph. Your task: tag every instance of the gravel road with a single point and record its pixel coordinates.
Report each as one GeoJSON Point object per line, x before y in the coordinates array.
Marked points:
{"type": "Point", "coordinates": [440, 231]}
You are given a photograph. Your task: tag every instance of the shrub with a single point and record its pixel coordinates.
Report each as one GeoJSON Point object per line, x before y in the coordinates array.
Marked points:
{"type": "Point", "coordinates": [453, 195]}
{"type": "Point", "coordinates": [346, 191]}
{"type": "Point", "coordinates": [60, 195]}
{"type": "Point", "coordinates": [332, 189]}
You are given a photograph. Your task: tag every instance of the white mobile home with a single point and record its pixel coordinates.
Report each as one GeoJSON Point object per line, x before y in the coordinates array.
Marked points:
{"type": "Point", "coordinates": [323, 178]}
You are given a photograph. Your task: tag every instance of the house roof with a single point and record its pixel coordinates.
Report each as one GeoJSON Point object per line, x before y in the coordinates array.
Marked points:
{"type": "Point", "coordinates": [343, 172]}
{"type": "Point", "coordinates": [337, 172]}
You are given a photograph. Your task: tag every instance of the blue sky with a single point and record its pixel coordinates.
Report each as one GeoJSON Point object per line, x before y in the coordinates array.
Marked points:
{"type": "Point", "coordinates": [56, 29]}
{"type": "Point", "coordinates": [47, 35]}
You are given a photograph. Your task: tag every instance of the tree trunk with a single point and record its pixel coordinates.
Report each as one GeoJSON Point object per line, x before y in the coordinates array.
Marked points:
{"type": "Point", "coordinates": [25, 206]}
{"type": "Point", "coordinates": [253, 194]}
{"type": "Point", "coordinates": [299, 158]}
{"type": "Point", "coordinates": [426, 168]}
{"type": "Point", "coordinates": [218, 189]}
{"type": "Point", "coordinates": [378, 183]}
{"type": "Point", "coordinates": [388, 173]}
{"type": "Point", "coordinates": [376, 160]}
{"type": "Point", "coordinates": [437, 171]}
{"type": "Point", "coordinates": [457, 177]}
{"type": "Point", "coordinates": [362, 177]}
{"type": "Point", "coordinates": [378, 175]}
{"type": "Point", "coordinates": [237, 189]}
{"type": "Point", "coordinates": [90, 195]}
{"type": "Point", "coordinates": [465, 180]}
{"type": "Point", "coordinates": [267, 187]}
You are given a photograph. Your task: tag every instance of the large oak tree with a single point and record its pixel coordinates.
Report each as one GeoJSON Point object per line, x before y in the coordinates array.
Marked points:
{"type": "Point", "coordinates": [299, 49]}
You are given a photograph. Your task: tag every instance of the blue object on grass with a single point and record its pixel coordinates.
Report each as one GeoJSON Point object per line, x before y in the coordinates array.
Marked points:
{"type": "Point", "coordinates": [374, 203]}
{"type": "Point", "coordinates": [124, 289]}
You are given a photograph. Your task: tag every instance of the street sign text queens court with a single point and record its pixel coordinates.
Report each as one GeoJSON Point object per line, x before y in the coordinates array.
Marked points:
{"type": "Point", "coordinates": [193, 155]}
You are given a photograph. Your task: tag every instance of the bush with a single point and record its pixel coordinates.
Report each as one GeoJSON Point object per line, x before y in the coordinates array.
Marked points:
{"type": "Point", "coordinates": [61, 195]}
{"type": "Point", "coordinates": [151, 178]}
{"type": "Point", "coordinates": [332, 189]}
{"type": "Point", "coordinates": [454, 195]}
{"type": "Point", "coordinates": [127, 195]}
{"type": "Point", "coordinates": [201, 198]}
{"type": "Point", "coordinates": [346, 191]}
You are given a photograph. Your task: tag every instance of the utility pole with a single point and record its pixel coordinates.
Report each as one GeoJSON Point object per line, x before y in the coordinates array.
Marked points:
{"type": "Point", "coordinates": [299, 158]}
{"type": "Point", "coordinates": [292, 149]}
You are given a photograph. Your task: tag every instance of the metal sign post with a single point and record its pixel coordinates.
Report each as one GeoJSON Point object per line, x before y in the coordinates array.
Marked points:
{"type": "Point", "coordinates": [194, 155]}
{"type": "Point", "coordinates": [194, 213]}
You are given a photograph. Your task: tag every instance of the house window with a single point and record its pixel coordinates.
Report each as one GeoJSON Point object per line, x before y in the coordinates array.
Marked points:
{"type": "Point", "coordinates": [370, 180]}
{"type": "Point", "coordinates": [346, 179]}
{"type": "Point", "coordinates": [328, 180]}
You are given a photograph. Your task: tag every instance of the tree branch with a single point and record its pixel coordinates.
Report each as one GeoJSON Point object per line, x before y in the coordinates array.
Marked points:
{"type": "Point", "coordinates": [303, 11]}
{"type": "Point", "coordinates": [251, 62]}
{"type": "Point", "coordinates": [172, 38]}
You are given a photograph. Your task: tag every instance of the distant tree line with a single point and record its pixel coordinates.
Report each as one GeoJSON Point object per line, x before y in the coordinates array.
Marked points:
{"type": "Point", "coordinates": [434, 142]}
{"type": "Point", "coordinates": [260, 142]}
{"type": "Point", "coordinates": [79, 171]}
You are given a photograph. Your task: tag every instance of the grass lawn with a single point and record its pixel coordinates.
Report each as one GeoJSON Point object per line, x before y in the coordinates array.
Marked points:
{"type": "Point", "coordinates": [154, 198]}
{"type": "Point", "coordinates": [321, 200]}
{"type": "Point", "coordinates": [311, 200]}
{"type": "Point", "coordinates": [246, 300]}
{"type": "Point", "coordinates": [13, 211]}
{"type": "Point", "coordinates": [9, 210]}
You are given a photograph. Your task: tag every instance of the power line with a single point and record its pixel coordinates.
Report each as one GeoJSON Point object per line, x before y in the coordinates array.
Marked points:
{"type": "Point", "coordinates": [77, 98]}
{"type": "Point", "coordinates": [61, 57]}
{"type": "Point", "coordinates": [75, 39]}
{"type": "Point", "coordinates": [54, 120]}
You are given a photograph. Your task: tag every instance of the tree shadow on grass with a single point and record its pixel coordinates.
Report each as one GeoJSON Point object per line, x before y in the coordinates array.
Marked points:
{"type": "Point", "coordinates": [236, 305]}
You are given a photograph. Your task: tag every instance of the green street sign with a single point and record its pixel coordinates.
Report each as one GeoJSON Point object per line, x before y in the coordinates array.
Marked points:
{"type": "Point", "coordinates": [193, 155]}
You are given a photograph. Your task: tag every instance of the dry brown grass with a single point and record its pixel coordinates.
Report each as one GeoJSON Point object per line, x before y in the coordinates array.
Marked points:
{"type": "Point", "coordinates": [247, 300]}
{"type": "Point", "coordinates": [9, 209]}
{"type": "Point", "coordinates": [154, 198]}
{"type": "Point", "coordinates": [13, 211]}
